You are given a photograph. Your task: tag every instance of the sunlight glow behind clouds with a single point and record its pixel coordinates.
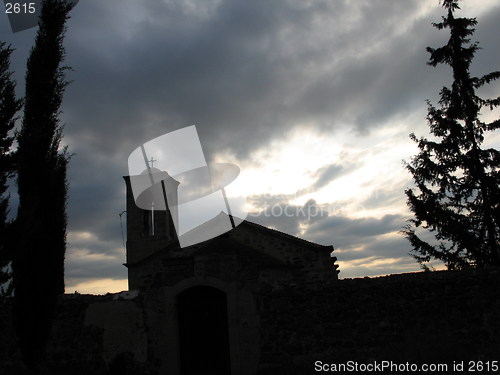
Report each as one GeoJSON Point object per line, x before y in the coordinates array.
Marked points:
{"type": "Point", "coordinates": [289, 166]}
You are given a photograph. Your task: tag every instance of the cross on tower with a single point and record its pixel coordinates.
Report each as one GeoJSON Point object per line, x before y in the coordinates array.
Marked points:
{"type": "Point", "coordinates": [152, 162]}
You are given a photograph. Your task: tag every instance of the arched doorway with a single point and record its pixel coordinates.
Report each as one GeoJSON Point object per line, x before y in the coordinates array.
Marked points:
{"type": "Point", "coordinates": [203, 331]}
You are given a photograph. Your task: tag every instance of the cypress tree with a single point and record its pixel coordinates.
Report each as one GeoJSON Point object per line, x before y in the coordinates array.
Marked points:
{"type": "Point", "coordinates": [9, 106]}
{"type": "Point", "coordinates": [38, 264]}
{"type": "Point", "coordinates": [457, 195]}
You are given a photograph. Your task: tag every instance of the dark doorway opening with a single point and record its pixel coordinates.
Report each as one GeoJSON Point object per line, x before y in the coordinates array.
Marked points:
{"type": "Point", "coordinates": [203, 331]}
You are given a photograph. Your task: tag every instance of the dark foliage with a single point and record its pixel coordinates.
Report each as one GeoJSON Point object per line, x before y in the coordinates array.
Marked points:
{"type": "Point", "coordinates": [38, 263]}
{"type": "Point", "coordinates": [457, 195]}
{"type": "Point", "coordinates": [9, 106]}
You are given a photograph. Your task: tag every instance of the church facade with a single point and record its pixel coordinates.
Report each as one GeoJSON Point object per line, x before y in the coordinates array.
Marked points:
{"type": "Point", "coordinates": [201, 301]}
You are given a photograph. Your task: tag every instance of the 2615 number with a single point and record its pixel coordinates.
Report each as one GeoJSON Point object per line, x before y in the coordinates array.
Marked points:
{"type": "Point", "coordinates": [16, 8]}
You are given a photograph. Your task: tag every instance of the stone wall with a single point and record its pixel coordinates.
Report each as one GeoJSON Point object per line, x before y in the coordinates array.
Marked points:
{"type": "Point", "coordinates": [426, 317]}
{"type": "Point", "coordinates": [431, 317]}
{"type": "Point", "coordinates": [77, 344]}
{"type": "Point", "coordinates": [72, 346]}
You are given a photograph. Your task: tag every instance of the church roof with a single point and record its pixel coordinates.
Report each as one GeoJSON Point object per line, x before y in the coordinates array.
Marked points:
{"type": "Point", "coordinates": [245, 223]}
{"type": "Point", "coordinates": [225, 244]}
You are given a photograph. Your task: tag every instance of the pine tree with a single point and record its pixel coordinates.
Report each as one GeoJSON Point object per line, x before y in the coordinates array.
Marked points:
{"type": "Point", "coordinates": [9, 106]}
{"type": "Point", "coordinates": [458, 182]}
{"type": "Point", "coordinates": [38, 263]}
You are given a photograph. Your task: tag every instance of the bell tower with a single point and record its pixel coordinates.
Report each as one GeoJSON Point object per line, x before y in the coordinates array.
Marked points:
{"type": "Point", "coordinates": [153, 229]}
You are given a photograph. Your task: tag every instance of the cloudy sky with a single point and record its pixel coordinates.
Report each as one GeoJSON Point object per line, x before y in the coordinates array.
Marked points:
{"type": "Point", "coordinates": [313, 100]}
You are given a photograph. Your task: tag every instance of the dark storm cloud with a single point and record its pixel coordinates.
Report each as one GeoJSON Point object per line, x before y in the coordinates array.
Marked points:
{"type": "Point", "coordinates": [358, 241]}
{"type": "Point", "coordinates": [320, 226]}
{"type": "Point", "coordinates": [378, 248]}
{"type": "Point", "coordinates": [242, 74]}
{"type": "Point", "coordinates": [84, 268]}
{"type": "Point", "coordinates": [243, 71]}
{"type": "Point", "coordinates": [348, 233]}
{"type": "Point", "coordinates": [288, 218]}
{"type": "Point", "coordinates": [327, 174]}
{"type": "Point", "coordinates": [96, 196]}
{"type": "Point", "coordinates": [367, 246]}
{"type": "Point", "coordinates": [388, 196]}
